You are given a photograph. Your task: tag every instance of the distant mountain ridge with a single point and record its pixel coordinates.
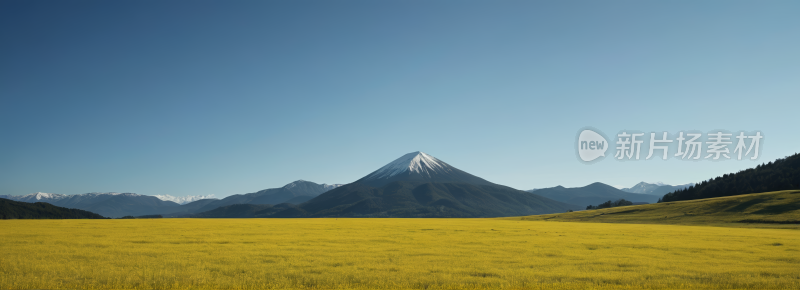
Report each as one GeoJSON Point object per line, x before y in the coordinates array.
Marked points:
{"type": "Point", "coordinates": [109, 204]}
{"type": "Point", "coordinates": [592, 194]}
{"type": "Point", "coordinates": [657, 188]}
{"type": "Point", "coordinates": [295, 193]}
{"type": "Point", "coordinates": [184, 199]}
{"type": "Point", "coordinates": [114, 204]}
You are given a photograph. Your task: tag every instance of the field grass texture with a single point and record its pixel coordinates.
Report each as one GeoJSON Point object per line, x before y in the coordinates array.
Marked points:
{"type": "Point", "coordinates": [391, 254]}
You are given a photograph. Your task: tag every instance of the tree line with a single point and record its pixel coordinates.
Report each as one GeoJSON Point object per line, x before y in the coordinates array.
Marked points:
{"type": "Point", "coordinates": [608, 204]}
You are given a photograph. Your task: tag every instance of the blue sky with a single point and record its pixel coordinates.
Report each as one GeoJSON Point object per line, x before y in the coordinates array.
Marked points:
{"type": "Point", "coordinates": [197, 97]}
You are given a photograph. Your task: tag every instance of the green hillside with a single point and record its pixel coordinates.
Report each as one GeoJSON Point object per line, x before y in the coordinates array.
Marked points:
{"type": "Point", "coordinates": [10, 209]}
{"type": "Point", "coordinates": [769, 209]}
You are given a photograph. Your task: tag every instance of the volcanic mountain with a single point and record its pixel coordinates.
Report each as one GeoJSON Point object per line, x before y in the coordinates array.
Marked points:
{"type": "Point", "coordinates": [419, 185]}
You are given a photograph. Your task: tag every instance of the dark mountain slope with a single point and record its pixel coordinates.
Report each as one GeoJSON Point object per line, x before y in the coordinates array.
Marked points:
{"type": "Point", "coordinates": [253, 211]}
{"type": "Point", "coordinates": [130, 205]}
{"type": "Point", "coordinates": [10, 209]}
{"type": "Point", "coordinates": [405, 199]}
{"type": "Point", "coordinates": [295, 192]}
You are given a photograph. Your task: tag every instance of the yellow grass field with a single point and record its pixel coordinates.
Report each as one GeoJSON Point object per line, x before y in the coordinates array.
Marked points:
{"type": "Point", "coordinates": [391, 254]}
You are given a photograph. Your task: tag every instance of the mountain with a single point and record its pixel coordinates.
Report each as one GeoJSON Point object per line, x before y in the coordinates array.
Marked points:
{"type": "Point", "coordinates": [10, 209]}
{"type": "Point", "coordinates": [657, 188]}
{"type": "Point", "coordinates": [418, 167]}
{"type": "Point", "coordinates": [592, 194]}
{"type": "Point", "coordinates": [419, 185]}
{"type": "Point", "coordinates": [184, 199]}
{"type": "Point", "coordinates": [110, 204]}
{"type": "Point", "coordinates": [782, 174]}
{"type": "Point", "coordinates": [295, 193]}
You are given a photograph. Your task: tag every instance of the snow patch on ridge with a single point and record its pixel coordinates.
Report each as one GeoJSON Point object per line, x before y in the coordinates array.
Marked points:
{"type": "Point", "coordinates": [325, 186]}
{"type": "Point", "coordinates": [44, 195]}
{"type": "Point", "coordinates": [33, 197]}
{"type": "Point", "coordinates": [184, 199]}
{"type": "Point", "coordinates": [330, 186]}
{"type": "Point", "coordinates": [417, 162]}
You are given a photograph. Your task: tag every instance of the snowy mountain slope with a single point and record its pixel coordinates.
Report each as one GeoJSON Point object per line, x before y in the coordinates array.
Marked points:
{"type": "Point", "coordinates": [418, 167]}
{"type": "Point", "coordinates": [37, 197]}
{"type": "Point", "coordinates": [184, 199]}
{"type": "Point", "coordinates": [415, 162]}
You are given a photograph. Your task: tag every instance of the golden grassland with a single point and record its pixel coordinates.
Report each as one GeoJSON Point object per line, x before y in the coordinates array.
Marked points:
{"type": "Point", "coordinates": [777, 206]}
{"type": "Point", "coordinates": [391, 254]}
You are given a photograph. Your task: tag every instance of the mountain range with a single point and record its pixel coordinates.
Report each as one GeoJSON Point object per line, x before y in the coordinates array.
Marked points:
{"type": "Point", "coordinates": [414, 185]}
{"type": "Point", "coordinates": [112, 204]}
{"type": "Point", "coordinates": [184, 199]}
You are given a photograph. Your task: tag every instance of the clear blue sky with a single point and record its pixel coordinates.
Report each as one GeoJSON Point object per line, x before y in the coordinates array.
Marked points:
{"type": "Point", "coordinates": [196, 97]}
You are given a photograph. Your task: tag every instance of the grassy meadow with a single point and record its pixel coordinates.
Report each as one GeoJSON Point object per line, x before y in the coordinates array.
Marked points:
{"type": "Point", "coordinates": [391, 254]}
{"type": "Point", "coordinates": [777, 209]}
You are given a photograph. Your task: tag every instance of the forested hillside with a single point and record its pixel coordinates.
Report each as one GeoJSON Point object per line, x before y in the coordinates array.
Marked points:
{"type": "Point", "coordinates": [782, 174]}
{"type": "Point", "coordinates": [10, 209]}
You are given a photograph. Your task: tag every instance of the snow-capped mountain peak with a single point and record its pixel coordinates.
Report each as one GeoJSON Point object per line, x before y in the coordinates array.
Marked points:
{"type": "Point", "coordinates": [416, 162]}
{"type": "Point", "coordinates": [418, 167]}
